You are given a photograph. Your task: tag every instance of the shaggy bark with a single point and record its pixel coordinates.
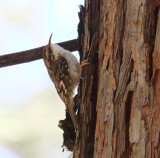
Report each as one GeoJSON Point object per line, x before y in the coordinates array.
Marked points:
{"type": "Point", "coordinates": [120, 87]}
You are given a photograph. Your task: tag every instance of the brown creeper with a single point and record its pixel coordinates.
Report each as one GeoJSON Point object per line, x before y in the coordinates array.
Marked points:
{"type": "Point", "coordinates": [62, 67]}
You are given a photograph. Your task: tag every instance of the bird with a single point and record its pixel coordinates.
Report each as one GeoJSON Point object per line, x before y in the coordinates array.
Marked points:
{"type": "Point", "coordinates": [63, 69]}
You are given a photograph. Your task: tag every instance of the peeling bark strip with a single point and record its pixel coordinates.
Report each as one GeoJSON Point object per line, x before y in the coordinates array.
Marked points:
{"type": "Point", "coordinates": [120, 106]}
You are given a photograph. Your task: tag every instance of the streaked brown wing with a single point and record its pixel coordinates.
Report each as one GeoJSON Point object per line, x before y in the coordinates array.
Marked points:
{"type": "Point", "coordinates": [61, 76]}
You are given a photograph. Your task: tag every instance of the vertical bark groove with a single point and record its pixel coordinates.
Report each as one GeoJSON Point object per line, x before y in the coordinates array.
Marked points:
{"type": "Point", "coordinates": [120, 107]}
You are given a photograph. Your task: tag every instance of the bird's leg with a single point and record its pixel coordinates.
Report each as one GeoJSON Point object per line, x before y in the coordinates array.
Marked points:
{"type": "Point", "coordinates": [82, 65]}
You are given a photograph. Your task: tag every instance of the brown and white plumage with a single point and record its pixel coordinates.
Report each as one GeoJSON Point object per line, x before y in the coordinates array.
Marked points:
{"type": "Point", "coordinates": [62, 67]}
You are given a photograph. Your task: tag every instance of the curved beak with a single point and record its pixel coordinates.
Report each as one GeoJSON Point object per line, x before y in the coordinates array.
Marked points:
{"type": "Point", "coordinates": [50, 38]}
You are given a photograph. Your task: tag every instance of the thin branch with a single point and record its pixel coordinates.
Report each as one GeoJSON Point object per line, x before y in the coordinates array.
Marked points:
{"type": "Point", "coordinates": [32, 54]}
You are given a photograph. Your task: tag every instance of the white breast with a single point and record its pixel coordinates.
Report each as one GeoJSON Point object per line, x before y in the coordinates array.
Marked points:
{"type": "Point", "coordinates": [71, 60]}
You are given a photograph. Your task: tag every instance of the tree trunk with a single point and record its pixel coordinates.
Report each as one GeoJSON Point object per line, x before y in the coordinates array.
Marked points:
{"type": "Point", "coordinates": [119, 114]}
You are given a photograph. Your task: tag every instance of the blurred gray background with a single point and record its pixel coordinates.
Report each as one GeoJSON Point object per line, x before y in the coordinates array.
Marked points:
{"type": "Point", "coordinates": [29, 106]}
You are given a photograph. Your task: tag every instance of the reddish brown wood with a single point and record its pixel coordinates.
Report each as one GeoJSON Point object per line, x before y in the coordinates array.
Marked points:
{"type": "Point", "coordinates": [120, 89]}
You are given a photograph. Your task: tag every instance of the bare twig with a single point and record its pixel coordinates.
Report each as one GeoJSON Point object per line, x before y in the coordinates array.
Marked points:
{"type": "Point", "coordinates": [32, 54]}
